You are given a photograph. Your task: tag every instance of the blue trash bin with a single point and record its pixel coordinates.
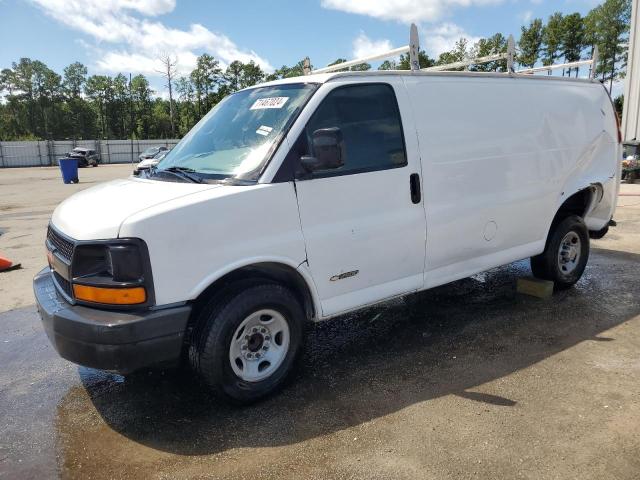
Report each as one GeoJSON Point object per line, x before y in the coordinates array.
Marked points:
{"type": "Point", "coordinates": [69, 169]}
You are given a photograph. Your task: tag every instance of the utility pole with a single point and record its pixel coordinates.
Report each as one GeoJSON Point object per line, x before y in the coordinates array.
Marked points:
{"type": "Point", "coordinates": [631, 109]}
{"type": "Point", "coordinates": [131, 129]}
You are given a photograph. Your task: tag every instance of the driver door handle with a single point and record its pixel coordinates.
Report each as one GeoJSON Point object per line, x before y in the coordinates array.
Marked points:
{"type": "Point", "coordinates": [414, 186]}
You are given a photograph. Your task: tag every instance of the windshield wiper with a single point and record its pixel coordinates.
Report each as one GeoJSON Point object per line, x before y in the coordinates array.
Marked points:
{"type": "Point", "coordinates": [182, 172]}
{"type": "Point", "coordinates": [189, 173]}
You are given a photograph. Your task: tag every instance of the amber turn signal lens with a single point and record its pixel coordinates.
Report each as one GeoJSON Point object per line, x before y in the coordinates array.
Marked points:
{"type": "Point", "coordinates": [111, 296]}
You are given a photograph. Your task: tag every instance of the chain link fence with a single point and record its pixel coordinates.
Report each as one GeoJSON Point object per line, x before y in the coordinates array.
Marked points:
{"type": "Point", "coordinates": [44, 153]}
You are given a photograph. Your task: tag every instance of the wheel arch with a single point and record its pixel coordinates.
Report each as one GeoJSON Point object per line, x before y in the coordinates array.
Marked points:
{"type": "Point", "coordinates": [579, 203]}
{"type": "Point", "coordinates": [266, 270]}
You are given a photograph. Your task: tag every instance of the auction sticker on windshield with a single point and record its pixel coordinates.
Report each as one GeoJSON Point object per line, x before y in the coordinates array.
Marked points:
{"type": "Point", "coordinates": [269, 102]}
{"type": "Point", "coordinates": [264, 130]}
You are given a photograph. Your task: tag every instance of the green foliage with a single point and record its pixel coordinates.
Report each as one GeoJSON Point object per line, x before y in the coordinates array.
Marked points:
{"type": "Point", "coordinates": [404, 62]}
{"type": "Point", "coordinates": [567, 37]}
{"type": "Point", "coordinates": [552, 38]}
{"type": "Point", "coordinates": [389, 65]}
{"type": "Point", "coordinates": [38, 103]}
{"type": "Point", "coordinates": [573, 38]}
{"type": "Point", "coordinates": [459, 53]}
{"type": "Point", "coordinates": [530, 43]}
{"type": "Point", "coordinates": [485, 47]}
{"type": "Point", "coordinates": [287, 72]}
{"type": "Point", "coordinates": [75, 76]}
{"type": "Point", "coordinates": [607, 26]}
{"type": "Point", "coordinates": [618, 104]}
{"type": "Point", "coordinates": [206, 77]}
{"type": "Point", "coordinates": [363, 67]}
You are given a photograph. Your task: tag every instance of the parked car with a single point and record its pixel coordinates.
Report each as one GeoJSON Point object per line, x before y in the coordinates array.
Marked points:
{"type": "Point", "coordinates": [631, 161]}
{"type": "Point", "coordinates": [147, 163]}
{"type": "Point", "coordinates": [305, 198]}
{"type": "Point", "coordinates": [85, 156]}
{"type": "Point", "coordinates": [151, 152]}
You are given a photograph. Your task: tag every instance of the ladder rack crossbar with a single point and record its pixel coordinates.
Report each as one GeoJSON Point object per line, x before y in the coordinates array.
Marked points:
{"type": "Point", "coordinates": [358, 61]}
{"type": "Point", "coordinates": [466, 63]}
{"type": "Point", "coordinates": [556, 67]}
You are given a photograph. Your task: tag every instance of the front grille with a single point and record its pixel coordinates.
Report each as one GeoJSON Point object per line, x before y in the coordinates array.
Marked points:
{"type": "Point", "coordinates": [64, 285]}
{"type": "Point", "coordinates": [62, 245]}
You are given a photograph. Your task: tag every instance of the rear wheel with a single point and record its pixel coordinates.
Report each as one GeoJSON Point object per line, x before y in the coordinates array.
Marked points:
{"type": "Point", "coordinates": [246, 343]}
{"type": "Point", "coordinates": [566, 253]}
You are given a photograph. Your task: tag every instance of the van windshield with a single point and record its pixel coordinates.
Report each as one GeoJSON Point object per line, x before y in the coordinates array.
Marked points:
{"type": "Point", "coordinates": [239, 135]}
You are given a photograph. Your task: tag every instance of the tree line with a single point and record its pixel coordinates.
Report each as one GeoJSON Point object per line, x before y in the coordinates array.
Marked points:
{"type": "Point", "coordinates": [568, 37]}
{"type": "Point", "coordinates": [38, 103]}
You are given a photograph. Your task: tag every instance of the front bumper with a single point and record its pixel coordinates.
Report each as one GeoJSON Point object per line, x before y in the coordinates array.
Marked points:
{"type": "Point", "coordinates": [109, 340]}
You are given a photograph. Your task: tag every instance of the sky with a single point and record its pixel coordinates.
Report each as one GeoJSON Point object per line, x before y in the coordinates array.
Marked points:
{"type": "Point", "coordinates": [129, 36]}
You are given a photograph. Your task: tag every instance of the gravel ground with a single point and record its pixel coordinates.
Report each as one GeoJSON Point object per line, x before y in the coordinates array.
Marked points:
{"type": "Point", "coordinates": [469, 380]}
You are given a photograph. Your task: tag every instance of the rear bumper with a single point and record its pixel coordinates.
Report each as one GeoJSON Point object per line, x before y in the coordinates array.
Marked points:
{"type": "Point", "coordinates": [116, 341]}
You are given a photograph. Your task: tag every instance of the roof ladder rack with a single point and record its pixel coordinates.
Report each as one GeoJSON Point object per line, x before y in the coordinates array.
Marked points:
{"type": "Point", "coordinates": [593, 63]}
{"type": "Point", "coordinates": [508, 56]}
{"type": "Point", "coordinates": [413, 48]}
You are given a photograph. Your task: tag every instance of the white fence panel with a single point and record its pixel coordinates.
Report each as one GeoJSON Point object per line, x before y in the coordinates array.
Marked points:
{"type": "Point", "coordinates": [23, 154]}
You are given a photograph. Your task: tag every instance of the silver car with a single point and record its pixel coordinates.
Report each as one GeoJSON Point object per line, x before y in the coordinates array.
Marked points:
{"type": "Point", "coordinates": [85, 156]}
{"type": "Point", "coordinates": [147, 163]}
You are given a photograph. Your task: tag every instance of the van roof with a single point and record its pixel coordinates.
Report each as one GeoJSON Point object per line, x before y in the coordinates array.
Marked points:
{"type": "Point", "coordinates": [325, 77]}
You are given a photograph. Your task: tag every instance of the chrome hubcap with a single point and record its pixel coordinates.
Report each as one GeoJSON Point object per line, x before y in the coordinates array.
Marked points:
{"type": "Point", "coordinates": [569, 253]}
{"type": "Point", "coordinates": [259, 345]}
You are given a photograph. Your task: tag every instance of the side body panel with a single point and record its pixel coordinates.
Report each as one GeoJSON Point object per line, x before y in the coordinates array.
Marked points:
{"type": "Point", "coordinates": [604, 169]}
{"type": "Point", "coordinates": [500, 155]}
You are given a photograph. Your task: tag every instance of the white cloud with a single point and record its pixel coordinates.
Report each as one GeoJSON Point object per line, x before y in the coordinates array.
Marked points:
{"type": "Point", "coordinates": [525, 17]}
{"type": "Point", "coordinates": [363, 46]}
{"type": "Point", "coordinates": [405, 11]}
{"type": "Point", "coordinates": [137, 39]}
{"type": "Point", "coordinates": [434, 40]}
{"type": "Point", "coordinates": [443, 38]}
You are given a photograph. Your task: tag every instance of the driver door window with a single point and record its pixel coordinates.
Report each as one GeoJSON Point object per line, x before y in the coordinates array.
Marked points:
{"type": "Point", "coordinates": [369, 120]}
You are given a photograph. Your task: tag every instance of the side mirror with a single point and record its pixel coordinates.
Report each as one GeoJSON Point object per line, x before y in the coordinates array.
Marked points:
{"type": "Point", "coordinates": [328, 148]}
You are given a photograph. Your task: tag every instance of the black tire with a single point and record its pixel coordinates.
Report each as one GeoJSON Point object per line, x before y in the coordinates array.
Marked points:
{"type": "Point", "coordinates": [548, 266]}
{"type": "Point", "coordinates": [214, 330]}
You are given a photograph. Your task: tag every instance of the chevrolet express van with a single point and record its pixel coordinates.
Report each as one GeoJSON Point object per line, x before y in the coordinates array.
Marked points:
{"type": "Point", "coordinates": [305, 198]}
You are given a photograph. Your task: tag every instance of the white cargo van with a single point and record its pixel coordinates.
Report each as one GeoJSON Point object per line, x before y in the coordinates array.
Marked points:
{"type": "Point", "coordinates": [305, 198]}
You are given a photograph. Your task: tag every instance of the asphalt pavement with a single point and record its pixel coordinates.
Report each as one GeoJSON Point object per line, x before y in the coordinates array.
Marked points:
{"type": "Point", "coordinates": [468, 380]}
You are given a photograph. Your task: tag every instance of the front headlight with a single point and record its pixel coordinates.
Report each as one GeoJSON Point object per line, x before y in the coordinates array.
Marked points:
{"type": "Point", "coordinates": [112, 273]}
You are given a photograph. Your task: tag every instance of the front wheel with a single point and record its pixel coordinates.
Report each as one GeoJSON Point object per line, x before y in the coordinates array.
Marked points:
{"type": "Point", "coordinates": [565, 255]}
{"type": "Point", "coordinates": [245, 344]}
